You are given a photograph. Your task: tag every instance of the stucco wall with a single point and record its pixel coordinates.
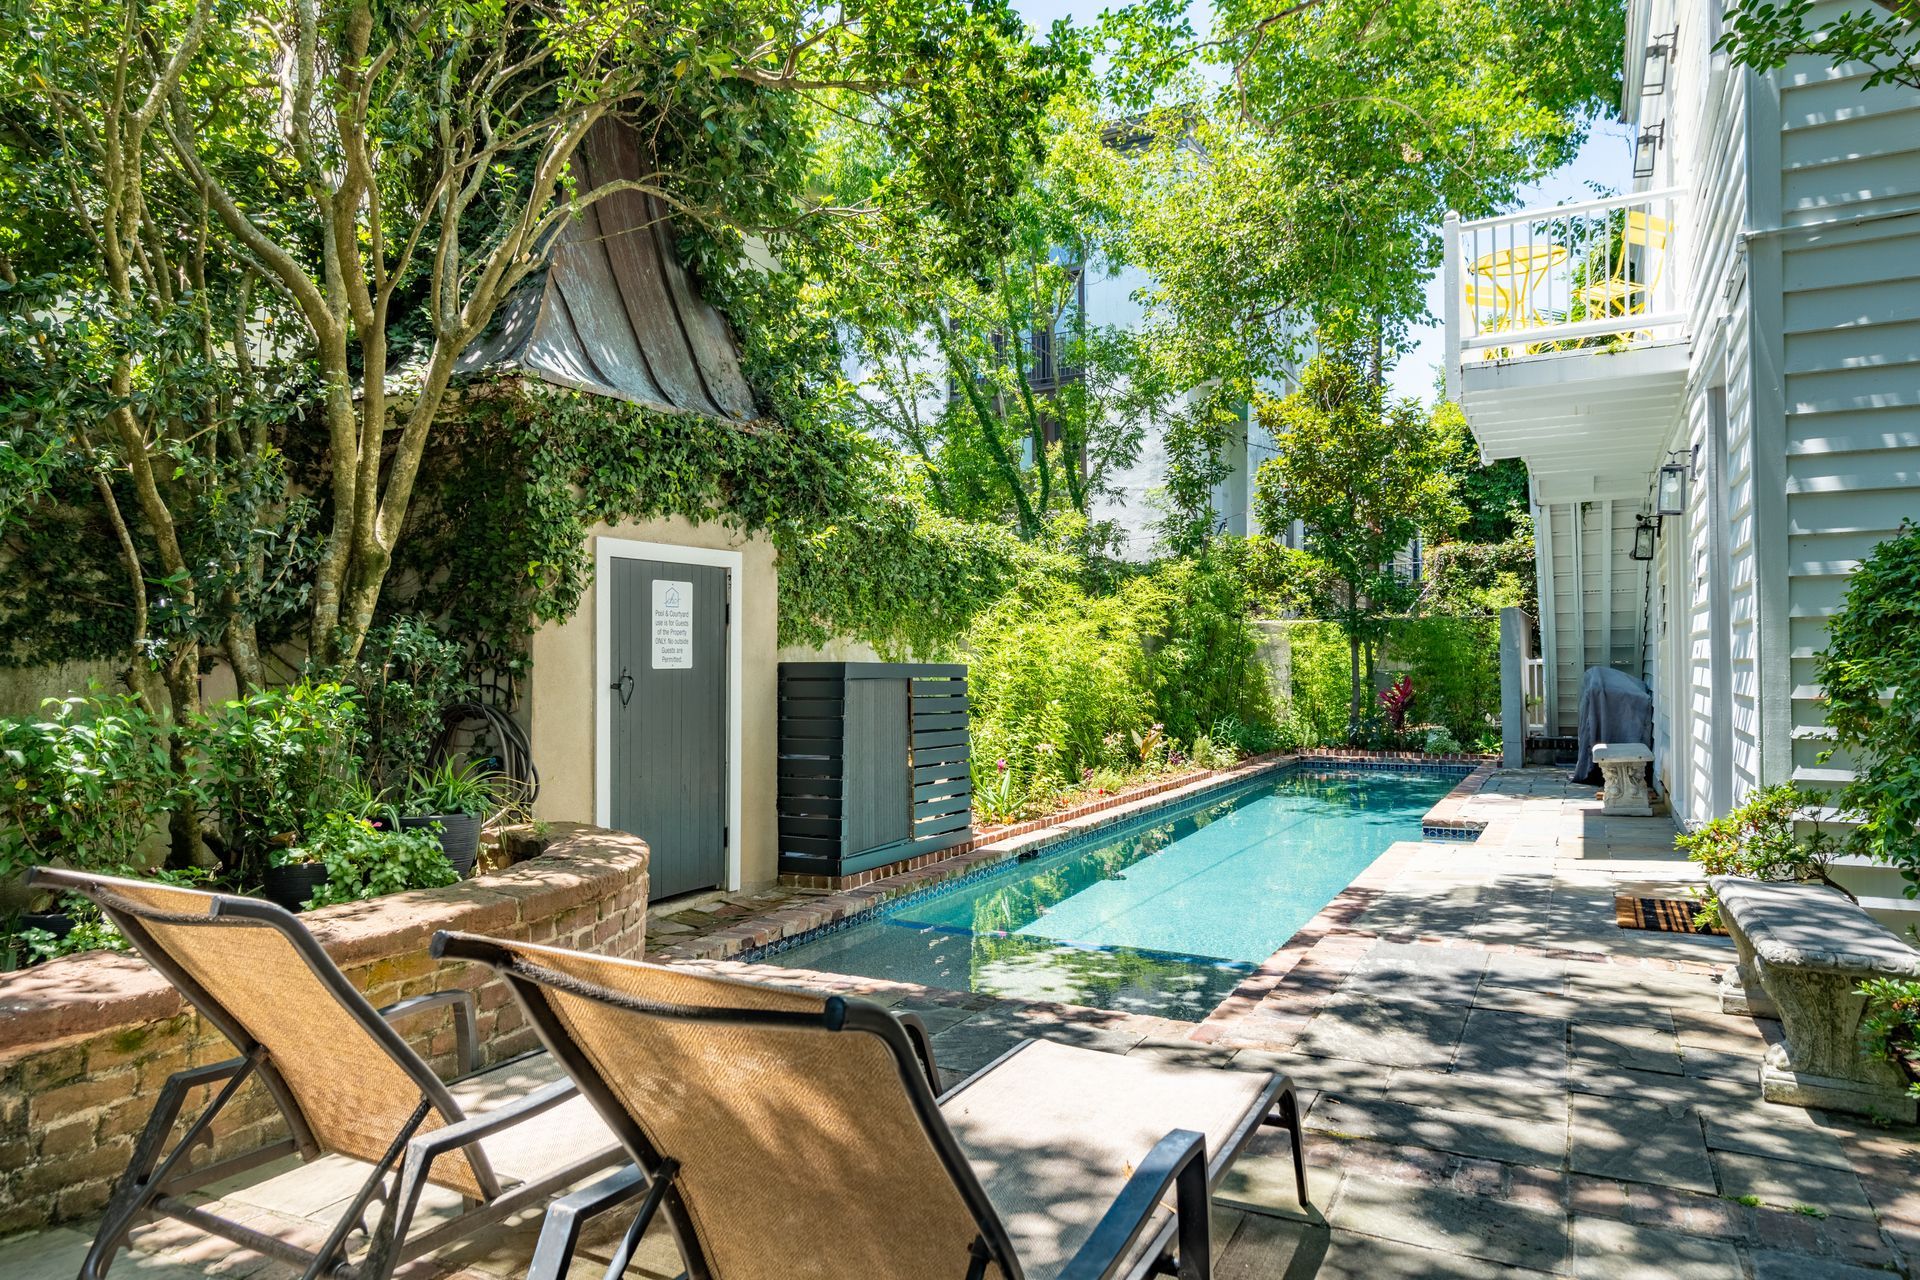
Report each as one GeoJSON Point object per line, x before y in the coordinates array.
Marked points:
{"type": "Point", "coordinates": [563, 686]}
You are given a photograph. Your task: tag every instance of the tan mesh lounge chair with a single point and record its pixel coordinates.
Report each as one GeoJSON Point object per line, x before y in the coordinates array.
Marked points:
{"type": "Point", "coordinates": [345, 1081]}
{"type": "Point", "coordinates": [789, 1136]}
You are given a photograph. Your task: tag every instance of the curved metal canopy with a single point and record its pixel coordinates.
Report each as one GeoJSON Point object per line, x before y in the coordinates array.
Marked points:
{"type": "Point", "coordinates": [614, 311]}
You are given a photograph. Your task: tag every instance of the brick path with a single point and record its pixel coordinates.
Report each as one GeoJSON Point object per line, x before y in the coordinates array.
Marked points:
{"type": "Point", "coordinates": [1501, 1083]}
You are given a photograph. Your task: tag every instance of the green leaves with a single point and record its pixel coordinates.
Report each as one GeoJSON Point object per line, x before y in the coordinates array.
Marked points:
{"type": "Point", "coordinates": [83, 786]}
{"type": "Point", "coordinates": [269, 764]}
{"type": "Point", "coordinates": [1870, 672]}
{"type": "Point", "coordinates": [1771, 836]}
{"type": "Point", "coordinates": [1364, 477]}
{"type": "Point", "coordinates": [1886, 38]}
{"type": "Point", "coordinates": [363, 862]}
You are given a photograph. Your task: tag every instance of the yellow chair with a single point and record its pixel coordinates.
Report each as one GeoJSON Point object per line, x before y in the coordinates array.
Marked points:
{"type": "Point", "coordinates": [1634, 276]}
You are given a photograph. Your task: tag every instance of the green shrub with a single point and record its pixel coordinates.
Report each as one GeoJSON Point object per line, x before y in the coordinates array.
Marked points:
{"type": "Point", "coordinates": [1063, 681]}
{"type": "Point", "coordinates": [269, 764]}
{"type": "Point", "coordinates": [1871, 674]}
{"type": "Point", "coordinates": [1320, 682]}
{"type": "Point", "coordinates": [1202, 655]}
{"type": "Point", "coordinates": [1057, 682]}
{"type": "Point", "coordinates": [1253, 739]}
{"type": "Point", "coordinates": [86, 784]}
{"type": "Point", "coordinates": [1891, 1027]}
{"type": "Point", "coordinates": [363, 862]}
{"type": "Point", "coordinates": [1760, 840]}
{"type": "Point", "coordinates": [1454, 664]}
{"type": "Point", "coordinates": [904, 578]}
{"type": "Point", "coordinates": [406, 676]}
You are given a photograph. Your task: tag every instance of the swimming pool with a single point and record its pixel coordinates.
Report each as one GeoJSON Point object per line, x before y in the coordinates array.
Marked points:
{"type": "Point", "coordinates": [1164, 914]}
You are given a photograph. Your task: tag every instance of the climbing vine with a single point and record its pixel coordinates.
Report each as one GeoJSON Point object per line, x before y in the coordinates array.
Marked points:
{"type": "Point", "coordinates": [498, 545]}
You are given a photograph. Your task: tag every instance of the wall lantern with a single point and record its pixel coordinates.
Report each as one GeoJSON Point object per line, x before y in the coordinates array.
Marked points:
{"type": "Point", "coordinates": [1670, 494]}
{"type": "Point", "coordinates": [1653, 78]}
{"type": "Point", "coordinates": [1644, 529]}
{"type": "Point", "coordinates": [1647, 149]}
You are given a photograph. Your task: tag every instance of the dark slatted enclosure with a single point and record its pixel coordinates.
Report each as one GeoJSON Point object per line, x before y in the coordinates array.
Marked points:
{"type": "Point", "coordinates": [873, 764]}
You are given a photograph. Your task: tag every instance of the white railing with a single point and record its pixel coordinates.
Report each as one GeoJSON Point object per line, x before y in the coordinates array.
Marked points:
{"type": "Point", "coordinates": [1534, 695]}
{"type": "Point", "coordinates": [1598, 274]}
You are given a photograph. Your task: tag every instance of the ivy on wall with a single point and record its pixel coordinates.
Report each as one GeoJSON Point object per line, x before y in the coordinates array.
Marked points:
{"type": "Point", "coordinates": [498, 544]}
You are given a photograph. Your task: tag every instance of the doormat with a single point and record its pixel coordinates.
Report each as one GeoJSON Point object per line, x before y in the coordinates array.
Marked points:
{"type": "Point", "coordinates": [1659, 915]}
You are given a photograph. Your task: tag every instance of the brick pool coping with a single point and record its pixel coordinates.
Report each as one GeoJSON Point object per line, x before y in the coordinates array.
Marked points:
{"type": "Point", "coordinates": [792, 921]}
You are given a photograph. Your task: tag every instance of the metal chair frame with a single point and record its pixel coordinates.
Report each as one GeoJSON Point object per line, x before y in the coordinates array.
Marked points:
{"type": "Point", "coordinates": [159, 1176]}
{"type": "Point", "coordinates": [1178, 1163]}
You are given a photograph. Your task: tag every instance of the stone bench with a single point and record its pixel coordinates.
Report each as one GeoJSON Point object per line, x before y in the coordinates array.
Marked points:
{"type": "Point", "coordinates": [1623, 765]}
{"type": "Point", "coordinates": [1803, 948]}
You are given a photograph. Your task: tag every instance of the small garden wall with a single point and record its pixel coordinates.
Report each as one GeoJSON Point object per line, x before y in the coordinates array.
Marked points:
{"type": "Point", "coordinates": [87, 1041]}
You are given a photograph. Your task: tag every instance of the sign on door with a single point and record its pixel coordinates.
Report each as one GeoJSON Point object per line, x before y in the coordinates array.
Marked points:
{"type": "Point", "coordinates": [672, 625]}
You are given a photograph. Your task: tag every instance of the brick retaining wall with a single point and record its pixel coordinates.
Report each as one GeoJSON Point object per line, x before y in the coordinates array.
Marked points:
{"type": "Point", "coordinates": [86, 1041]}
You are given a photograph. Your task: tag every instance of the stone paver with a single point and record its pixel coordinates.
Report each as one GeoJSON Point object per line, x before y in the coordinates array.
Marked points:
{"type": "Point", "coordinates": [1606, 1249]}
{"type": "Point", "coordinates": [1498, 1081]}
{"type": "Point", "coordinates": [1791, 1185]}
{"type": "Point", "coordinates": [1440, 1218]}
{"type": "Point", "coordinates": [1635, 1140]}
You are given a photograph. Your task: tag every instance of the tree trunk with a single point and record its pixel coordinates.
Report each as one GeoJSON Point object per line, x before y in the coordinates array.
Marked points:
{"type": "Point", "coordinates": [1351, 624]}
{"type": "Point", "coordinates": [188, 844]}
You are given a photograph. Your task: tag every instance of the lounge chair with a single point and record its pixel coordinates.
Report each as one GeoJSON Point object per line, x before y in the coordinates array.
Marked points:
{"type": "Point", "coordinates": [343, 1078]}
{"type": "Point", "coordinates": [791, 1135]}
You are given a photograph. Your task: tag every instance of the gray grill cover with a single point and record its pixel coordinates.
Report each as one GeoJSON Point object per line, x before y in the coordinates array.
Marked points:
{"type": "Point", "coordinates": [614, 312]}
{"type": "Point", "coordinates": [1614, 707]}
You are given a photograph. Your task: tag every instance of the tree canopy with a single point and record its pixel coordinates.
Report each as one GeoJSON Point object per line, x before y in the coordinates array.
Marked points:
{"type": "Point", "coordinates": [245, 246]}
{"type": "Point", "coordinates": [1884, 37]}
{"type": "Point", "coordinates": [1364, 477]}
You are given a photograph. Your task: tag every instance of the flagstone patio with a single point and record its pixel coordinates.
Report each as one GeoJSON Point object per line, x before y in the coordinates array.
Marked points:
{"type": "Point", "coordinates": [1502, 1082]}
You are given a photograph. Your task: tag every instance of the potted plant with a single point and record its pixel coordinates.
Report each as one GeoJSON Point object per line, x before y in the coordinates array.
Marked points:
{"type": "Point", "coordinates": [363, 861]}
{"type": "Point", "coordinates": [294, 874]}
{"type": "Point", "coordinates": [457, 798]}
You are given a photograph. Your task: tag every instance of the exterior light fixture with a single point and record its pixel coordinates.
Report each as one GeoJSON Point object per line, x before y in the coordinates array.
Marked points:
{"type": "Point", "coordinates": [1644, 529]}
{"type": "Point", "coordinates": [1653, 78]}
{"type": "Point", "coordinates": [1647, 149]}
{"type": "Point", "coordinates": [1670, 494]}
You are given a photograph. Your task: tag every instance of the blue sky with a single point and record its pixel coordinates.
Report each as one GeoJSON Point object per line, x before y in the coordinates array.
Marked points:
{"type": "Point", "coordinates": [1606, 159]}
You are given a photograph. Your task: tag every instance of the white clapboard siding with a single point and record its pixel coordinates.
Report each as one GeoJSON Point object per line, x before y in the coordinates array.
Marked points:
{"type": "Point", "coordinates": [1849, 354]}
{"type": "Point", "coordinates": [1597, 623]}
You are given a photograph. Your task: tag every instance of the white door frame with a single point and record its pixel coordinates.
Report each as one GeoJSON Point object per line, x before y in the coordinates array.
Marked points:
{"type": "Point", "coordinates": [606, 550]}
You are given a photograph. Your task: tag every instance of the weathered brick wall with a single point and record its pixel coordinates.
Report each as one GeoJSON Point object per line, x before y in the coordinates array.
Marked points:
{"type": "Point", "coordinates": [86, 1042]}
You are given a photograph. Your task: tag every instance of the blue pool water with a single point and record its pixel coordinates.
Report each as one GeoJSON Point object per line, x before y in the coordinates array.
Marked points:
{"type": "Point", "coordinates": [1164, 915]}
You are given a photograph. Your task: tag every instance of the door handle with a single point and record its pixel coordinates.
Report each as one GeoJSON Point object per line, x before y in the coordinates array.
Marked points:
{"type": "Point", "coordinates": [624, 686]}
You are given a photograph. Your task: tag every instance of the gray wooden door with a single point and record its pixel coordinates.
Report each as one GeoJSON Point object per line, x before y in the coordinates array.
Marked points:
{"type": "Point", "coordinates": [668, 721]}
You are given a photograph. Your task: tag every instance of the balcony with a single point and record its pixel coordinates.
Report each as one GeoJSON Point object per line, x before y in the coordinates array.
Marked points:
{"type": "Point", "coordinates": [1566, 337]}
